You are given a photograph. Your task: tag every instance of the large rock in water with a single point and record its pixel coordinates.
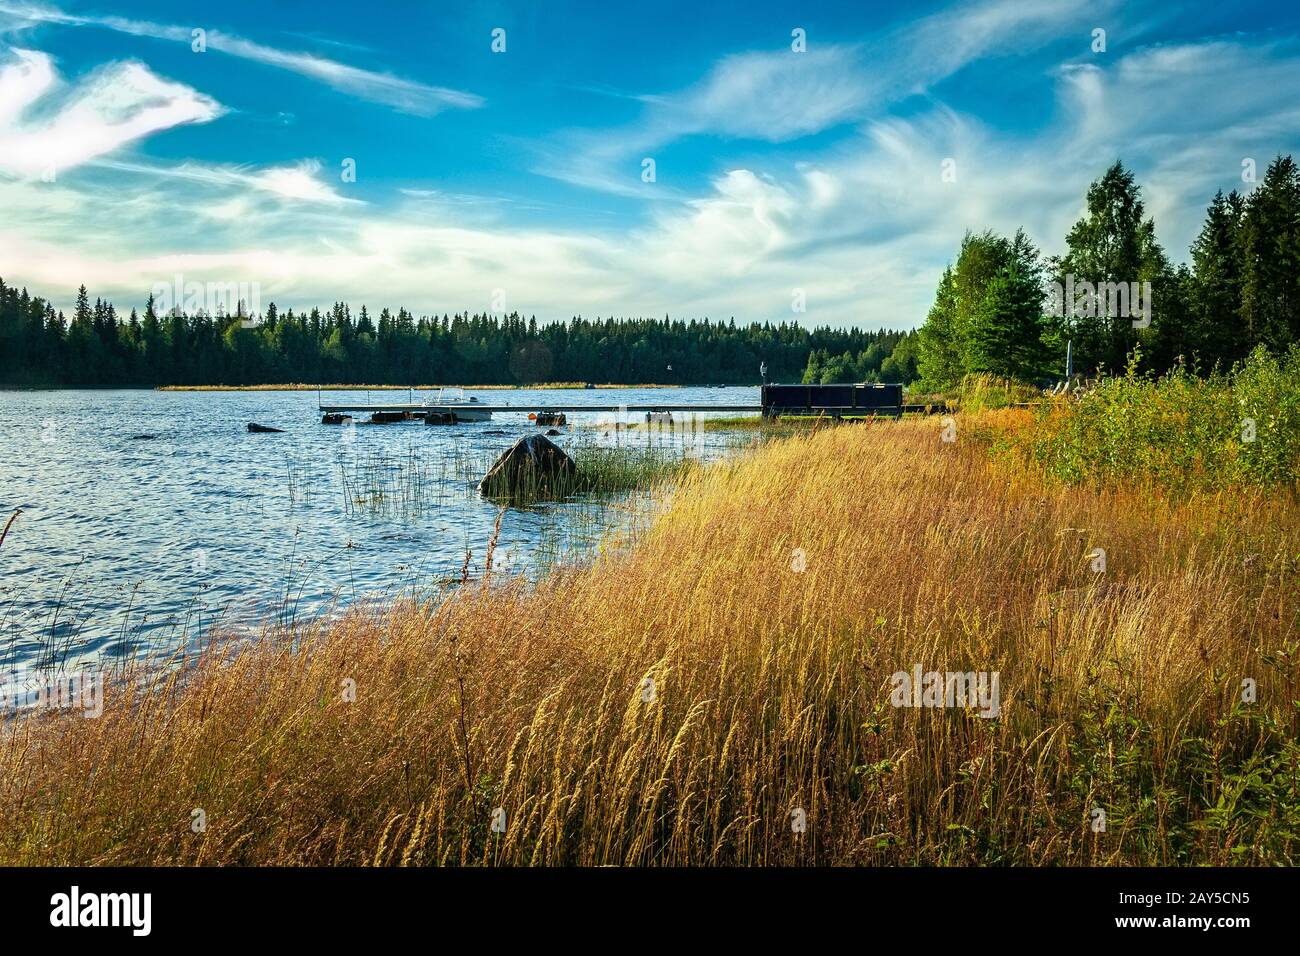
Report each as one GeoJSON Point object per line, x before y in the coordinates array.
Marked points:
{"type": "Point", "coordinates": [532, 465]}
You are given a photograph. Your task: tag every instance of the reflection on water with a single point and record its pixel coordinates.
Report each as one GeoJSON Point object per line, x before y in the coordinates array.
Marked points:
{"type": "Point", "coordinates": [150, 516]}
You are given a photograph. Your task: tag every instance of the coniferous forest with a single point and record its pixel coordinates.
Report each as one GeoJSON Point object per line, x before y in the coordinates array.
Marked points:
{"type": "Point", "coordinates": [98, 346]}
{"type": "Point", "coordinates": [1241, 290]}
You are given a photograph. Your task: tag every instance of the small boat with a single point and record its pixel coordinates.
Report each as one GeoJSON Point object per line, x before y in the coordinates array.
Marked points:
{"type": "Point", "coordinates": [451, 404]}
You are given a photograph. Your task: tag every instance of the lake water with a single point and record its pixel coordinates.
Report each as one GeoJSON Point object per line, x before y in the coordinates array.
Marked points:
{"type": "Point", "coordinates": [132, 543]}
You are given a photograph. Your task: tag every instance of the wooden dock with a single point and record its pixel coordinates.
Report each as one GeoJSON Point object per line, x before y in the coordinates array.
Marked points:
{"type": "Point", "coordinates": [832, 401]}
{"type": "Point", "coordinates": [416, 407]}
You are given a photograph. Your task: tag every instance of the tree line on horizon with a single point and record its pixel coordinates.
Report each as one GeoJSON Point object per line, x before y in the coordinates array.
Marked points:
{"type": "Point", "coordinates": [991, 315]}
{"type": "Point", "coordinates": [39, 346]}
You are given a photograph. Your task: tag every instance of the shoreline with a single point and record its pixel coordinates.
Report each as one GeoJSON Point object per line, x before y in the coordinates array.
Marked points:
{"type": "Point", "coordinates": [336, 387]}
{"type": "Point", "coordinates": [299, 387]}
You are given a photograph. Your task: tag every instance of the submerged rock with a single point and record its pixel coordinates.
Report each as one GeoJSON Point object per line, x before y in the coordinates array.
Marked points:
{"type": "Point", "coordinates": [554, 431]}
{"type": "Point", "coordinates": [143, 437]}
{"type": "Point", "coordinates": [254, 427]}
{"type": "Point", "coordinates": [532, 465]}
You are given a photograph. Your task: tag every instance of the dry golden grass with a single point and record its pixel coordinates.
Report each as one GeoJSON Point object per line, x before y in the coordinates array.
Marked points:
{"type": "Point", "coordinates": [771, 692]}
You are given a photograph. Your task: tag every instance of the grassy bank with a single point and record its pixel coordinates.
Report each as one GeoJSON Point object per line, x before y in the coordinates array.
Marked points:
{"type": "Point", "coordinates": [770, 605]}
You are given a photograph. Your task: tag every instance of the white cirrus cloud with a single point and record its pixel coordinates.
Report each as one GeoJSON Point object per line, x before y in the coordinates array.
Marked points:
{"type": "Point", "coordinates": [408, 96]}
{"type": "Point", "coordinates": [770, 96]}
{"type": "Point", "coordinates": [299, 182]}
{"type": "Point", "coordinates": [117, 105]}
{"type": "Point", "coordinates": [778, 96]}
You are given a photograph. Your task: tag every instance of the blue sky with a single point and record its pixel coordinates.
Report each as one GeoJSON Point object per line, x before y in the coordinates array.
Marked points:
{"type": "Point", "coordinates": [515, 178]}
